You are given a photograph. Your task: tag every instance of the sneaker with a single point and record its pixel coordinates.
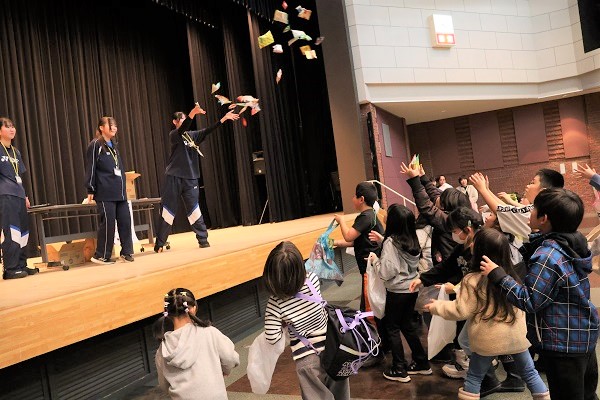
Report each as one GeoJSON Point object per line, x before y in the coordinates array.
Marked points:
{"type": "Point", "coordinates": [15, 274]}
{"type": "Point", "coordinates": [462, 358]}
{"type": "Point", "coordinates": [454, 371]}
{"type": "Point", "coordinates": [158, 249]}
{"type": "Point", "coordinates": [127, 257]}
{"type": "Point", "coordinates": [396, 374]}
{"type": "Point", "coordinates": [31, 271]}
{"type": "Point", "coordinates": [415, 369]}
{"type": "Point", "coordinates": [105, 261]}
{"type": "Point", "coordinates": [490, 384]}
{"type": "Point", "coordinates": [204, 245]}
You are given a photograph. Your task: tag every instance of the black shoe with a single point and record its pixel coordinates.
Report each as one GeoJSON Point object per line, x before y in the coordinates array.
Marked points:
{"type": "Point", "coordinates": [15, 274]}
{"type": "Point", "coordinates": [105, 261]}
{"type": "Point", "coordinates": [204, 245]}
{"type": "Point", "coordinates": [490, 384]}
{"type": "Point", "coordinates": [396, 374]}
{"type": "Point", "coordinates": [127, 257]}
{"type": "Point", "coordinates": [512, 383]}
{"type": "Point", "coordinates": [31, 271]}
{"type": "Point", "coordinates": [415, 369]}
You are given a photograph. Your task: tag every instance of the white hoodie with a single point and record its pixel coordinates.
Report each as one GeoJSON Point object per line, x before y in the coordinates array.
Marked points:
{"type": "Point", "coordinates": [191, 362]}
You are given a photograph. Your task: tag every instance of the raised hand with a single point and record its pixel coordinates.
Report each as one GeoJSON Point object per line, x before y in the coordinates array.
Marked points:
{"type": "Point", "coordinates": [411, 171]}
{"type": "Point", "coordinates": [584, 172]}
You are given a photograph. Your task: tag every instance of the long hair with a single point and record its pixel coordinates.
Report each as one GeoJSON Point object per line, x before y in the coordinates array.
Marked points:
{"type": "Point", "coordinates": [284, 273]}
{"type": "Point", "coordinates": [177, 303]}
{"type": "Point", "coordinates": [401, 228]}
{"type": "Point", "coordinates": [493, 244]}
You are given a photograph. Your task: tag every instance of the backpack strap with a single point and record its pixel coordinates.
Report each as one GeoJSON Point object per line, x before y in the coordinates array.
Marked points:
{"type": "Point", "coordinates": [314, 298]}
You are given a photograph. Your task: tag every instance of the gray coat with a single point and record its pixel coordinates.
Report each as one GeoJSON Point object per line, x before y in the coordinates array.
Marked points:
{"type": "Point", "coordinates": [396, 268]}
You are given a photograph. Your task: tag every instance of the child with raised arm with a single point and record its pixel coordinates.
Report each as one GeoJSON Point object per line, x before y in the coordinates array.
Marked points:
{"type": "Point", "coordinates": [556, 294]}
{"type": "Point", "coordinates": [193, 356]}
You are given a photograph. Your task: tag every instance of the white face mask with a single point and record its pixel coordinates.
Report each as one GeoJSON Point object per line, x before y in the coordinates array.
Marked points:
{"type": "Point", "coordinates": [457, 239]}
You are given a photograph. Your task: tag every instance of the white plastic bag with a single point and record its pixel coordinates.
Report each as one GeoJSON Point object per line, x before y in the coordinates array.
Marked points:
{"type": "Point", "coordinates": [376, 290]}
{"type": "Point", "coordinates": [262, 358]}
{"type": "Point", "coordinates": [441, 332]}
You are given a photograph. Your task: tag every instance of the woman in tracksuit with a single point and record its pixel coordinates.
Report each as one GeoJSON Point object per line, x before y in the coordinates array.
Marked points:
{"type": "Point", "coordinates": [181, 176]}
{"type": "Point", "coordinates": [13, 206]}
{"type": "Point", "coordinates": [105, 183]}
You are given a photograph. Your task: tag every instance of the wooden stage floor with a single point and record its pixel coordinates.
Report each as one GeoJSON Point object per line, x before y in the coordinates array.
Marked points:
{"type": "Point", "coordinates": [53, 309]}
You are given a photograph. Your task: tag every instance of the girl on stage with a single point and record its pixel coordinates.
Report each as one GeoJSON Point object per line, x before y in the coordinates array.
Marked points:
{"type": "Point", "coordinates": [105, 183]}
{"type": "Point", "coordinates": [13, 206]}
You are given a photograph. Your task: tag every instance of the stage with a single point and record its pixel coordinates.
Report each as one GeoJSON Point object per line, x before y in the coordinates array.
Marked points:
{"type": "Point", "coordinates": [57, 308]}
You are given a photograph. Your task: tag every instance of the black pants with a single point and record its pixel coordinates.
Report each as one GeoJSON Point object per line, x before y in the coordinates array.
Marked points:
{"type": "Point", "coordinates": [572, 377]}
{"type": "Point", "coordinates": [111, 212]}
{"type": "Point", "coordinates": [15, 232]}
{"type": "Point", "coordinates": [399, 308]}
{"type": "Point", "coordinates": [189, 192]}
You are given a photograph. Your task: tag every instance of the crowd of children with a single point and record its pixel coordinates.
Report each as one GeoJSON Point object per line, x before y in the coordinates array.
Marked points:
{"type": "Point", "coordinates": [513, 304]}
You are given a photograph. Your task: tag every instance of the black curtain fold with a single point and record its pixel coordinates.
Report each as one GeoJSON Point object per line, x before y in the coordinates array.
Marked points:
{"type": "Point", "coordinates": [219, 173]}
{"type": "Point", "coordinates": [240, 81]}
{"type": "Point", "coordinates": [280, 131]}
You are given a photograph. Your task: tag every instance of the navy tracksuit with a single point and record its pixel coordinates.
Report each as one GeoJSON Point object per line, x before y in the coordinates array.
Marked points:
{"type": "Point", "coordinates": [181, 179]}
{"type": "Point", "coordinates": [13, 212]}
{"type": "Point", "coordinates": [105, 179]}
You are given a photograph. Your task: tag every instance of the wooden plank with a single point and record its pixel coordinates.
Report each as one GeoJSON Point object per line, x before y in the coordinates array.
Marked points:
{"type": "Point", "coordinates": [50, 311]}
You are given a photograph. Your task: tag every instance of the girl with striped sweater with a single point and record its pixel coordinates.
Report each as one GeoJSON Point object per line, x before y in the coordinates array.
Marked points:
{"type": "Point", "coordinates": [284, 276]}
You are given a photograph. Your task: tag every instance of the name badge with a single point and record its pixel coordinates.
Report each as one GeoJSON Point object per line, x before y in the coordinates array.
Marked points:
{"type": "Point", "coordinates": [19, 180]}
{"type": "Point", "coordinates": [117, 172]}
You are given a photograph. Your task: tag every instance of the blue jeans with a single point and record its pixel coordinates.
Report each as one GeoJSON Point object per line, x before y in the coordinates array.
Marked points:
{"type": "Point", "coordinates": [479, 365]}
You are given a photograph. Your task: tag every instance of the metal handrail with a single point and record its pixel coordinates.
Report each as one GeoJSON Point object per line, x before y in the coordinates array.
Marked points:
{"type": "Point", "coordinates": [404, 198]}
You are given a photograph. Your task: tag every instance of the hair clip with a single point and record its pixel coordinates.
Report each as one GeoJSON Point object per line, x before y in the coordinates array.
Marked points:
{"type": "Point", "coordinates": [469, 223]}
{"type": "Point", "coordinates": [167, 304]}
{"type": "Point", "coordinates": [187, 310]}
{"type": "Point", "coordinates": [165, 313]}
{"type": "Point", "coordinates": [185, 304]}
{"type": "Point", "coordinates": [183, 293]}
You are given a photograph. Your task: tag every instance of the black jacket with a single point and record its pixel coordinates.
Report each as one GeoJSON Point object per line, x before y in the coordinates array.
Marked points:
{"type": "Point", "coordinates": [100, 177]}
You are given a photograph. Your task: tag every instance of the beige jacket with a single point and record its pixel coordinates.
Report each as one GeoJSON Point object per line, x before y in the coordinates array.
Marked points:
{"type": "Point", "coordinates": [486, 338]}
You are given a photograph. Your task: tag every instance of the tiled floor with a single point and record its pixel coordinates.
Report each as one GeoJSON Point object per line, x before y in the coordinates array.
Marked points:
{"type": "Point", "coordinates": [368, 384]}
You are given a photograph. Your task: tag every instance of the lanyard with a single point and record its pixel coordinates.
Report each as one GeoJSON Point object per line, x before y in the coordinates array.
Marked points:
{"type": "Point", "coordinates": [14, 164]}
{"type": "Point", "coordinates": [114, 156]}
{"type": "Point", "coordinates": [192, 144]}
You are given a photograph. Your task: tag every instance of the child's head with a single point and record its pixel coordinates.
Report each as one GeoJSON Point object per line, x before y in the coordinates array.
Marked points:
{"type": "Point", "coordinates": [556, 210]}
{"type": "Point", "coordinates": [464, 222]}
{"type": "Point", "coordinates": [544, 179]}
{"type": "Point", "coordinates": [494, 245]}
{"type": "Point", "coordinates": [401, 227]}
{"type": "Point", "coordinates": [365, 194]}
{"type": "Point", "coordinates": [179, 304]}
{"type": "Point", "coordinates": [451, 199]}
{"type": "Point", "coordinates": [284, 272]}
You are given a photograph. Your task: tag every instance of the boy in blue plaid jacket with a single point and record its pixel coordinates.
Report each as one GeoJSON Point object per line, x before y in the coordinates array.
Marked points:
{"type": "Point", "coordinates": [556, 294]}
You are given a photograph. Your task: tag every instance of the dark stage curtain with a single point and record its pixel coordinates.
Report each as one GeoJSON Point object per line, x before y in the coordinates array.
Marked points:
{"type": "Point", "coordinates": [218, 166]}
{"type": "Point", "coordinates": [66, 63]}
{"type": "Point", "coordinates": [240, 81]}
{"type": "Point", "coordinates": [280, 131]}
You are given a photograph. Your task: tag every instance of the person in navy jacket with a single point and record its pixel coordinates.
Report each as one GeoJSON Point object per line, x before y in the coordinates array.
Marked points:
{"type": "Point", "coordinates": [105, 183]}
{"type": "Point", "coordinates": [181, 176]}
{"type": "Point", "coordinates": [13, 206]}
